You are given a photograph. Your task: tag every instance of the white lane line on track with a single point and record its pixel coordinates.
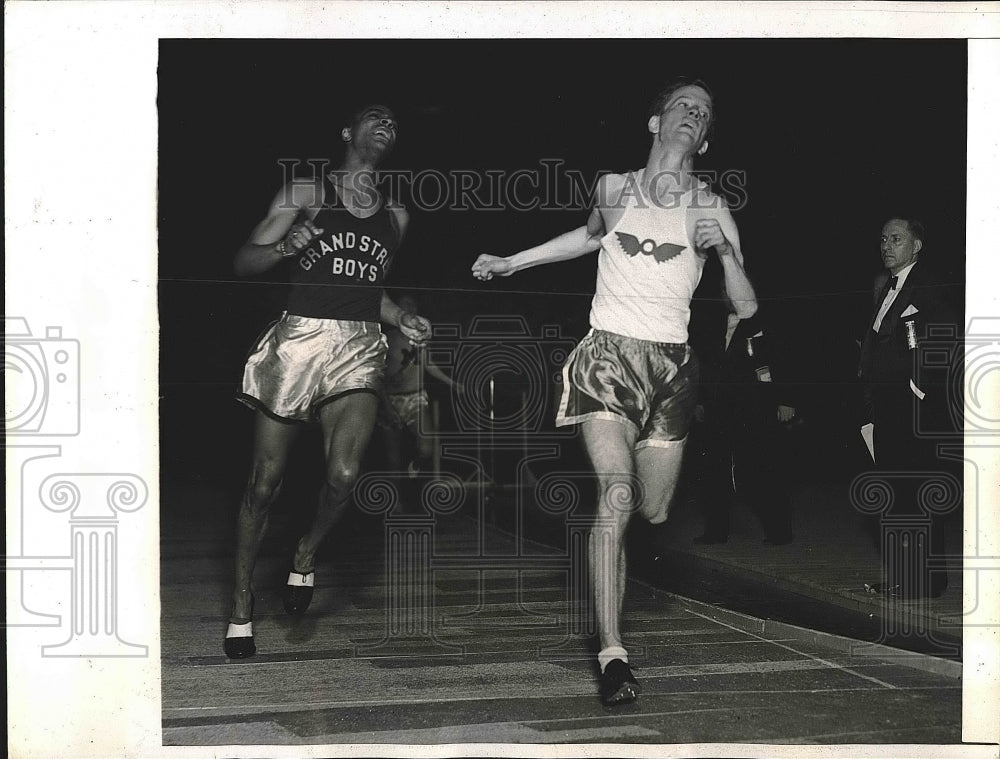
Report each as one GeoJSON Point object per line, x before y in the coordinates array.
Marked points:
{"type": "Point", "coordinates": [826, 662]}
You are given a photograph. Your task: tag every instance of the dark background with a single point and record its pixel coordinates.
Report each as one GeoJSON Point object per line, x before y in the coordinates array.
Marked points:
{"type": "Point", "coordinates": [833, 137]}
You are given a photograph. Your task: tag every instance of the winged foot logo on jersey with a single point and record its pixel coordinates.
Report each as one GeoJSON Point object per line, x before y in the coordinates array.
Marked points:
{"type": "Point", "coordinates": [664, 252]}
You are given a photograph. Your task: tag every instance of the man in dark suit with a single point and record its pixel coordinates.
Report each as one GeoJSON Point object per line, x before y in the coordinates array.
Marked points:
{"type": "Point", "coordinates": [745, 405]}
{"type": "Point", "coordinates": [905, 304]}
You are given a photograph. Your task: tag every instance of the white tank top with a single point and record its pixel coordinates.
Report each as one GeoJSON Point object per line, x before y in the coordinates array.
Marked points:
{"type": "Point", "coordinates": [648, 268]}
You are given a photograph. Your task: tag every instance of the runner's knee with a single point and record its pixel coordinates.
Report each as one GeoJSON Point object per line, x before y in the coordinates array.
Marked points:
{"type": "Point", "coordinates": [657, 511]}
{"type": "Point", "coordinates": [619, 493]}
{"type": "Point", "coordinates": [264, 484]}
{"type": "Point", "coordinates": [341, 475]}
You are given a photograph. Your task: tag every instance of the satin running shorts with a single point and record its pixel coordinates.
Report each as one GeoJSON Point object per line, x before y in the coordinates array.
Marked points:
{"type": "Point", "coordinates": [649, 386]}
{"type": "Point", "coordinates": [399, 411]}
{"type": "Point", "coordinates": [299, 364]}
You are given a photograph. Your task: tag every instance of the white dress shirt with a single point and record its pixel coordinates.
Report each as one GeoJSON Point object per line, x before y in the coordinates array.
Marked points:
{"type": "Point", "coordinates": [891, 296]}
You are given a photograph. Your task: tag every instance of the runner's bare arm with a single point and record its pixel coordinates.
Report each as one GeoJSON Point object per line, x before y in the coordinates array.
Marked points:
{"type": "Point", "coordinates": [281, 233]}
{"type": "Point", "coordinates": [580, 241]}
{"type": "Point", "coordinates": [720, 232]}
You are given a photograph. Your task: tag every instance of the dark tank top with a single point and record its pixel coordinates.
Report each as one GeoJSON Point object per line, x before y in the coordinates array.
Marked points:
{"type": "Point", "coordinates": [342, 273]}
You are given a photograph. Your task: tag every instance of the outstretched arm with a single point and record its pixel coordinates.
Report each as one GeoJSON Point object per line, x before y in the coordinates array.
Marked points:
{"type": "Point", "coordinates": [579, 242]}
{"type": "Point", "coordinates": [278, 235]}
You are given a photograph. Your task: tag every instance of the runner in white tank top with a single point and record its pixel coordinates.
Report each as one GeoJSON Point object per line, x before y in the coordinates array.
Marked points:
{"type": "Point", "coordinates": [631, 381]}
{"type": "Point", "coordinates": [649, 267]}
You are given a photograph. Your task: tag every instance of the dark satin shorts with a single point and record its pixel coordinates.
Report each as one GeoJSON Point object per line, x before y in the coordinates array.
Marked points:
{"type": "Point", "coordinates": [649, 386]}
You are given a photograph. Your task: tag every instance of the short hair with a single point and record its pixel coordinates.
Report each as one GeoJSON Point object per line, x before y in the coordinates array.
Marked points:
{"type": "Point", "coordinates": [347, 114]}
{"type": "Point", "coordinates": [661, 100]}
{"type": "Point", "coordinates": [915, 226]}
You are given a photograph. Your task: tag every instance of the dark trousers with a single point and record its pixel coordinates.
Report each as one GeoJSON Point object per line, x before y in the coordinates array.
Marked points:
{"type": "Point", "coordinates": [910, 531]}
{"type": "Point", "coordinates": [741, 453]}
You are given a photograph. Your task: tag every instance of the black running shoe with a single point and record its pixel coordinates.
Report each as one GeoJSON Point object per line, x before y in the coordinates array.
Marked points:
{"type": "Point", "coordinates": [618, 684]}
{"type": "Point", "coordinates": [298, 591]}
{"type": "Point", "coordinates": [239, 636]}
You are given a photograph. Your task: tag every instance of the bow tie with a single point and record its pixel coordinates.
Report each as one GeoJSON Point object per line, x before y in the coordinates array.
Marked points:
{"type": "Point", "coordinates": [893, 281]}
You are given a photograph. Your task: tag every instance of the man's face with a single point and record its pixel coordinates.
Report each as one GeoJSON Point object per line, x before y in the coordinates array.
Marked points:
{"type": "Point", "coordinates": [685, 117]}
{"type": "Point", "coordinates": [899, 246]}
{"type": "Point", "coordinates": [376, 127]}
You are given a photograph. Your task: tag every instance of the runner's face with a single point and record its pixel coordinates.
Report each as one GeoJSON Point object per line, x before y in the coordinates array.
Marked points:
{"type": "Point", "coordinates": [899, 246]}
{"type": "Point", "coordinates": [686, 116]}
{"type": "Point", "coordinates": [377, 126]}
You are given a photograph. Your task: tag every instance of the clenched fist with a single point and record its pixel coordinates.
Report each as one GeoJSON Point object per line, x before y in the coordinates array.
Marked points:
{"type": "Point", "coordinates": [299, 236]}
{"type": "Point", "coordinates": [415, 328]}
{"type": "Point", "coordinates": [487, 266]}
{"type": "Point", "coordinates": [708, 234]}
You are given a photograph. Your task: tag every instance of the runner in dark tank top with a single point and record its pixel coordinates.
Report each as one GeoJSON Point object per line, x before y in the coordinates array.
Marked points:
{"type": "Point", "coordinates": [340, 274]}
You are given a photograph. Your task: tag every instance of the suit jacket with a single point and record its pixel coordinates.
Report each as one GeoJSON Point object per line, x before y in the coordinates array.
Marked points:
{"type": "Point", "coordinates": [736, 381]}
{"type": "Point", "coordinates": [888, 360]}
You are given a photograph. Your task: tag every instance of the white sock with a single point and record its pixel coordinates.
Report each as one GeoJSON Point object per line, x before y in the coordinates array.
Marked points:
{"type": "Point", "coordinates": [307, 580]}
{"type": "Point", "coordinates": [244, 630]}
{"type": "Point", "coordinates": [609, 654]}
